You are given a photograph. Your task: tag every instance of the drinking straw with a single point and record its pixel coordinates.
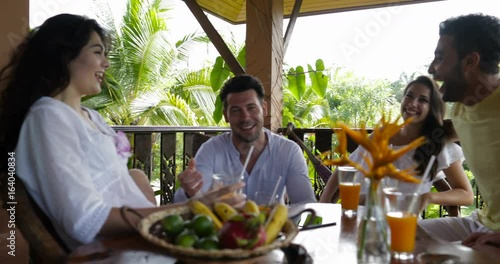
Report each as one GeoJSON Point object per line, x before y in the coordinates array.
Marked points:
{"type": "Point", "coordinates": [246, 161]}
{"type": "Point", "coordinates": [274, 191]}
{"type": "Point", "coordinates": [425, 178]}
{"type": "Point", "coordinates": [245, 165]}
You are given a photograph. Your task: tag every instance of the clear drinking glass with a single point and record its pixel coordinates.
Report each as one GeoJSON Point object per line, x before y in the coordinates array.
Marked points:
{"type": "Point", "coordinates": [350, 186]}
{"type": "Point", "coordinates": [220, 180]}
{"type": "Point", "coordinates": [402, 207]}
{"type": "Point", "coordinates": [265, 198]}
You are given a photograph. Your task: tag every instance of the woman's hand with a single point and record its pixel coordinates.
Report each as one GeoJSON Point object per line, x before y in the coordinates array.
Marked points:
{"type": "Point", "coordinates": [425, 200]}
{"type": "Point", "coordinates": [331, 191]}
{"type": "Point", "coordinates": [461, 191]}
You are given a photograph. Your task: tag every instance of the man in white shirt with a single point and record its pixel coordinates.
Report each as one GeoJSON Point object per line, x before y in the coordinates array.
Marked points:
{"type": "Point", "coordinates": [275, 160]}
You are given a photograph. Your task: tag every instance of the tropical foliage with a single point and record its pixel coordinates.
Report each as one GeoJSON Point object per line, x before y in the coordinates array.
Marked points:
{"type": "Point", "coordinates": [304, 101]}
{"type": "Point", "coordinates": [221, 72]}
{"type": "Point", "coordinates": [319, 96]}
{"type": "Point", "coordinates": [148, 82]}
{"type": "Point", "coordinates": [359, 101]}
{"type": "Point", "coordinates": [339, 95]}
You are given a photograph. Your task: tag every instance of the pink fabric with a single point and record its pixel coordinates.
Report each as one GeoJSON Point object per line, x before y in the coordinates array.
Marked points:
{"type": "Point", "coordinates": [122, 145]}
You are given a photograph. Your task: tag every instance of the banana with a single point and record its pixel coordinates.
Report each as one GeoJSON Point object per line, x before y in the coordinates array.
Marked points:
{"type": "Point", "coordinates": [198, 207]}
{"type": "Point", "coordinates": [251, 208]}
{"type": "Point", "coordinates": [275, 222]}
{"type": "Point", "coordinates": [224, 211]}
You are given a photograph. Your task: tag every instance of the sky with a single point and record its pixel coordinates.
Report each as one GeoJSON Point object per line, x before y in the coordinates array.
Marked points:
{"type": "Point", "coordinates": [376, 43]}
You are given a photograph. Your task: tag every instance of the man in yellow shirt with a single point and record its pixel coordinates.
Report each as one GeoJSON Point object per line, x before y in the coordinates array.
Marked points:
{"type": "Point", "coordinates": [466, 60]}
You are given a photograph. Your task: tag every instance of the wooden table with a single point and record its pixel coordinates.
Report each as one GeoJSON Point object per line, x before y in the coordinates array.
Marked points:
{"type": "Point", "coordinates": [339, 243]}
{"type": "Point", "coordinates": [325, 245]}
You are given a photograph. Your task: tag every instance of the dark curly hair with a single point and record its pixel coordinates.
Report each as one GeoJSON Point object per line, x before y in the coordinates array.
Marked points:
{"type": "Point", "coordinates": [39, 67]}
{"type": "Point", "coordinates": [242, 83]}
{"type": "Point", "coordinates": [475, 33]}
{"type": "Point", "coordinates": [432, 128]}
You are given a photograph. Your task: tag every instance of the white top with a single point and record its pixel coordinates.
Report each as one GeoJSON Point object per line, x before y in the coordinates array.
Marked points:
{"type": "Point", "coordinates": [450, 153]}
{"type": "Point", "coordinates": [281, 157]}
{"type": "Point", "coordinates": [73, 171]}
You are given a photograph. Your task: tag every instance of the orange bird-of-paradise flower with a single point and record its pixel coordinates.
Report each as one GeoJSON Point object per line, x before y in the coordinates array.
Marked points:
{"type": "Point", "coordinates": [380, 155]}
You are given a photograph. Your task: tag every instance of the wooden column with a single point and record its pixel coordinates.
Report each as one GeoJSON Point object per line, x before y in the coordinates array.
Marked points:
{"type": "Point", "coordinates": [264, 45]}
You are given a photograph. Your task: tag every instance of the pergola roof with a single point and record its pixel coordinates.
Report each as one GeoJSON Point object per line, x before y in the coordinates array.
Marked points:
{"type": "Point", "coordinates": [234, 11]}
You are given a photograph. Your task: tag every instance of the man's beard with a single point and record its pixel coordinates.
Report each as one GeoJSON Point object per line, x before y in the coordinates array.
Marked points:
{"type": "Point", "coordinates": [251, 138]}
{"type": "Point", "coordinates": [454, 90]}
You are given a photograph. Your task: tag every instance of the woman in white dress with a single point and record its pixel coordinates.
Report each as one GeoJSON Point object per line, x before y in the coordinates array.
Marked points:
{"type": "Point", "coordinates": [72, 163]}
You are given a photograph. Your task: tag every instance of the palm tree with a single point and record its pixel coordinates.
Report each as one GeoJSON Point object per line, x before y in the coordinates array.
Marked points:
{"type": "Point", "coordinates": [357, 101]}
{"type": "Point", "coordinates": [310, 111]}
{"type": "Point", "coordinates": [147, 69]}
{"type": "Point", "coordinates": [304, 102]}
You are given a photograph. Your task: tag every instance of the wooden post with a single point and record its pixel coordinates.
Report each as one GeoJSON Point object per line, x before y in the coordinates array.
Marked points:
{"type": "Point", "coordinates": [264, 45]}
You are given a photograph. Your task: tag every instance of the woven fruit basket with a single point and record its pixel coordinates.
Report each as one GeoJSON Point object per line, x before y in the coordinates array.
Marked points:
{"type": "Point", "coordinates": [150, 228]}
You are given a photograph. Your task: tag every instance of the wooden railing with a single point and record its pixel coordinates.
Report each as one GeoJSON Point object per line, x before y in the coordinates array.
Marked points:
{"type": "Point", "coordinates": [163, 151]}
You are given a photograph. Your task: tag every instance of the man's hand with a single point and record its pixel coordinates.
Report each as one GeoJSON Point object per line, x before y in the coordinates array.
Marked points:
{"type": "Point", "coordinates": [191, 180]}
{"type": "Point", "coordinates": [476, 239]}
{"type": "Point", "coordinates": [486, 242]}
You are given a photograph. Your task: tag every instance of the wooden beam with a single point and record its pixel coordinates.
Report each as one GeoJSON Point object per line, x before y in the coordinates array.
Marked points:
{"type": "Point", "coordinates": [214, 36]}
{"type": "Point", "coordinates": [264, 43]}
{"type": "Point", "coordinates": [291, 24]}
{"type": "Point", "coordinates": [232, 11]}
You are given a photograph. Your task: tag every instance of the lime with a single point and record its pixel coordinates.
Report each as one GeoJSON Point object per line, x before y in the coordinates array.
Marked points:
{"type": "Point", "coordinates": [203, 225]}
{"type": "Point", "coordinates": [213, 233]}
{"type": "Point", "coordinates": [173, 225]}
{"type": "Point", "coordinates": [207, 243]}
{"type": "Point", "coordinates": [186, 239]}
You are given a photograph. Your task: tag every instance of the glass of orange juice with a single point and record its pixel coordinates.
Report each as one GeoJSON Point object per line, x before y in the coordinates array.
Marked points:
{"type": "Point", "coordinates": [402, 208]}
{"type": "Point", "coordinates": [350, 187]}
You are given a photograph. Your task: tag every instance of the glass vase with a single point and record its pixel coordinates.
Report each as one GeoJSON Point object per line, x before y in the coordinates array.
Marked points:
{"type": "Point", "coordinates": [373, 231]}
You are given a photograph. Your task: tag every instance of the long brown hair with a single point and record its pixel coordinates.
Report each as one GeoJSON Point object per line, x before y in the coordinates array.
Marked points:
{"type": "Point", "coordinates": [432, 128]}
{"type": "Point", "coordinates": [39, 67]}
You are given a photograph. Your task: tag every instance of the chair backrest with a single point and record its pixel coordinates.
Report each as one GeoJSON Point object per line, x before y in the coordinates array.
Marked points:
{"type": "Point", "coordinates": [193, 142]}
{"type": "Point", "coordinates": [322, 171]}
{"type": "Point", "coordinates": [45, 245]}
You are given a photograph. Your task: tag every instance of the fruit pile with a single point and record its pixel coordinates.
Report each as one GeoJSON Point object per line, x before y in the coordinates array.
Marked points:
{"type": "Point", "coordinates": [224, 226]}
